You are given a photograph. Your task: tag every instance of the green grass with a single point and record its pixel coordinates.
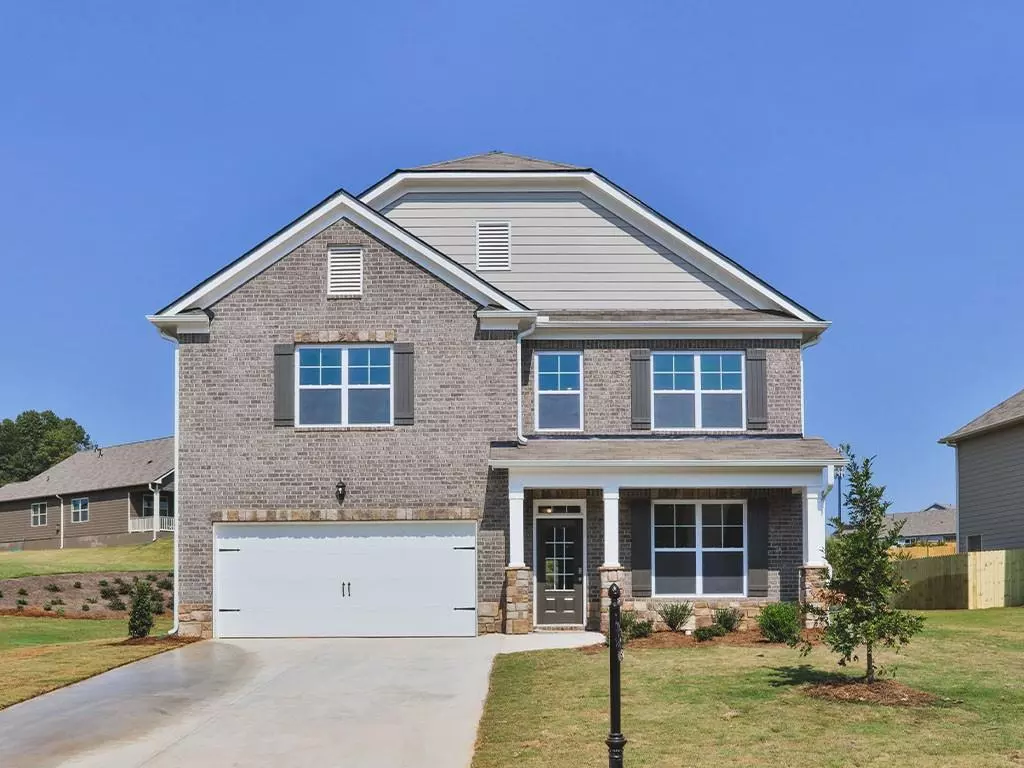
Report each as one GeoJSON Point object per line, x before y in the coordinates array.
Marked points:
{"type": "Point", "coordinates": [39, 655]}
{"type": "Point", "coordinates": [718, 705]}
{"type": "Point", "coordinates": [152, 556]}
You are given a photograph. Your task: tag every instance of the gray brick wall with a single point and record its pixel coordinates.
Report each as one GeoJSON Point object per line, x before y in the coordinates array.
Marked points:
{"type": "Point", "coordinates": [606, 384]}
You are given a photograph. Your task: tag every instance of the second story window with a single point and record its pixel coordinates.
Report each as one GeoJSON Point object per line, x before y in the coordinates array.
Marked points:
{"type": "Point", "coordinates": [559, 391]}
{"type": "Point", "coordinates": [697, 390]}
{"type": "Point", "coordinates": [344, 386]}
{"type": "Point", "coordinates": [80, 510]}
{"type": "Point", "coordinates": [38, 514]}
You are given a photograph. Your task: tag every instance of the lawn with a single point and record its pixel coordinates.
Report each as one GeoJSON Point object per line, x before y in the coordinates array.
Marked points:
{"type": "Point", "coordinates": [39, 655]}
{"type": "Point", "coordinates": [743, 706]}
{"type": "Point", "coordinates": [153, 556]}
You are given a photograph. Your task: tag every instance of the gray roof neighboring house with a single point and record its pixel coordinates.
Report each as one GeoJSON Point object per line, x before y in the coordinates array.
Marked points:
{"type": "Point", "coordinates": [936, 520]}
{"type": "Point", "coordinates": [1007, 413]}
{"type": "Point", "coordinates": [496, 160]}
{"type": "Point", "coordinates": [115, 466]}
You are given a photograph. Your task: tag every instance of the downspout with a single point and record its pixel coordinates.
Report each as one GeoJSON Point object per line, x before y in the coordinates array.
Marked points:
{"type": "Point", "coordinates": [520, 437]}
{"type": "Point", "coordinates": [61, 526]}
{"type": "Point", "coordinates": [177, 491]}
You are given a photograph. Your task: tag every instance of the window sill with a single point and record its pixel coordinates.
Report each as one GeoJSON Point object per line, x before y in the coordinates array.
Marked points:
{"type": "Point", "coordinates": [704, 597]}
{"type": "Point", "coordinates": [343, 297]}
{"type": "Point", "coordinates": [700, 430]}
{"type": "Point", "coordinates": [355, 428]}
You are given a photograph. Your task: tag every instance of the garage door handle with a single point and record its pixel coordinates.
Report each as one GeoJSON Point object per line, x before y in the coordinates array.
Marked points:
{"type": "Point", "coordinates": [226, 549]}
{"type": "Point", "coordinates": [229, 610]}
{"type": "Point", "coordinates": [463, 547]}
{"type": "Point", "coordinates": [472, 608]}
{"type": "Point", "coordinates": [345, 586]}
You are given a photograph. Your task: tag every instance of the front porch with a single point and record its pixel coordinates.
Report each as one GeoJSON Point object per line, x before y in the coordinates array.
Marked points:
{"type": "Point", "coordinates": [737, 536]}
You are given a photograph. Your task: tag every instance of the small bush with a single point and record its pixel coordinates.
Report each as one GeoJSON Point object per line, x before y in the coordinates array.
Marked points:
{"type": "Point", "coordinates": [53, 588]}
{"type": "Point", "coordinates": [92, 600]}
{"type": "Point", "coordinates": [85, 606]}
{"type": "Point", "coordinates": [1, 595]}
{"type": "Point", "coordinates": [707, 633]}
{"type": "Point", "coordinates": [170, 575]}
{"type": "Point", "coordinates": [22, 604]}
{"type": "Point", "coordinates": [150, 577]}
{"type": "Point", "coordinates": [103, 582]}
{"type": "Point", "coordinates": [140, 620]}
{"type": "Point", "coordinates": [47, 607]}
{"type": "Point", "coordinates": [634, 627]}
{"type": "Point", "coordinates": [108, 593]}
{"type": "Point", "coordinates": [77, 585]}
{"type": "Point", "coordinates": [158, 604]}
{"type": "Point", "coordinates": [23, 592]}
{"type": "Point", "coordinates": [166, 585]}
{"type": "Point", "coordinates": [116, 604]}
{"type": "Point", "coordinates": [780, 622]}
{"type": "Point", "coordinates": [728, 618]}
{"type": "Point", "coordinates": [675, 615]}
{"type": "Point", "coordinates": [118, 580]}
{"type": "Point", "coordinates": [57, 601]}
{"type": "Point", "coordinates": [60, 611]}
{"type": "Point", "coordinates": [124, 589]}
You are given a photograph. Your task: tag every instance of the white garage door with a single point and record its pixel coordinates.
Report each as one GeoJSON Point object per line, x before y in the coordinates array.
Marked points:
{"type": "Point", "coordinates": [345, 579]}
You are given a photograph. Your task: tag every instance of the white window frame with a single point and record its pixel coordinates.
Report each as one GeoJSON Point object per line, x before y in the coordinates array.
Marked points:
{"type": "Point", "coordinates": [537, 517]}
{"type": "Point", "coordinates": [700, 549]}
{"type": "Point", "coordinates": [77, 507]}
{"type": "Point", "coordinates": [537, 393]}
{"type": "Point", "coordinates": [492, 222]}
{"type": "Point", "coordinates": [38, 517]}
{"type": "Point", "coordinates": [698, 392]}
{"type": "Point", "coordinates": [345, 387]}
{"type": "Point", "coordinates": [147, 503]}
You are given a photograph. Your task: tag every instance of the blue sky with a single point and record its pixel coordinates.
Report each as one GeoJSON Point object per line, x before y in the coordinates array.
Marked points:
{"type": "Point", "coordinates": [865, 159]}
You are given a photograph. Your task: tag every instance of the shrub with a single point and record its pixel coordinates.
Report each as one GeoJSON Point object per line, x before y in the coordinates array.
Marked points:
{"type": "Point", "coordinates": [158, 603]}
{"type": "Point", "coordinates": [23, 592]}
{"type": "Point", "coordinates": [77, 585]}
{"type": "Point", "coordinates": [103, 582]}
{"type": "Point", "coordinates": [85, 606]}
{"type": "Point", "coordinates": [728, 618]}
{"type": "Point", "coordinates": [675, 615]}
{"type": "Point", "coordinates": [108, 593]}
{"type": "Point", "coordinates": [707, 633]}
{"type": "Point", "coordinates": [140, 620]}
{"type": "Point", "coordinates": [118, 580]}
{"type": "Point", "coordinates": [92, 600]}
{"type": "Point", "coordinates": [22, 604]}
{"type": "Point", "coordinates": [634, 627]}
{"type": "Point", "coordinates": [60, 611]}
{"type": "Point", "coordinates": [52, 588]}
{"type": "Point", "coordinates": [57, 601]}
{"type": "Point", "coordinates": [150, 577]}
{"type": "Point", "coordinates": [1, 595]}
{"type": "Point", "coordinates": [124, 589]}
{"type": "Point", "coordinates": [47, 607]}
{"type": "Point", "coordinates": [166, 585]}
{"type": "Point", "coordinates": [116, 604]}
{"type": "Point", "coordinates": [780, 622]}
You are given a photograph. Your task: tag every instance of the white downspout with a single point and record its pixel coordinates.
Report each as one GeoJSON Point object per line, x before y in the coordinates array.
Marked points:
{"type": "Point", "coordinates": [61, 526]}
{"type": "Point", "coordinates": [177, 491]}
{"type": "Point", "coordinates": [519, 381]}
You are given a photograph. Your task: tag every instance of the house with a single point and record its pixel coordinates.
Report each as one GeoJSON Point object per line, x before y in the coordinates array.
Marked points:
{"type": "Point", "coordinates": [473, 397]}
{"type": "Point", "coordinates": [990, 477]}
{"type": "Point", "coordinates": [103, 496]}
{"type": "Point", "coordinates": [935, 524]}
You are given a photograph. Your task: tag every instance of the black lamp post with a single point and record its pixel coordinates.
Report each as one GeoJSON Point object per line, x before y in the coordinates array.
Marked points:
{"type": "Point", "coordinates": [616, 741]}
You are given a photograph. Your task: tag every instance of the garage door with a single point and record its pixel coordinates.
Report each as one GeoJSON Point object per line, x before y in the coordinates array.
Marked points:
{"type": "Point", "coordinates": [345, 579]}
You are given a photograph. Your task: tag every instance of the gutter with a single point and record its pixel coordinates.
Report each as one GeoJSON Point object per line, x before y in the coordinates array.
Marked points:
{"type": "Point", "coordinates": [520, 437]}
{"type": "Point", "coordinates": [826, 465]}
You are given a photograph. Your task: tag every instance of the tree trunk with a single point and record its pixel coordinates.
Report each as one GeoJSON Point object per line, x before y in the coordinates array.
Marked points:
{"type": "Point", "coordinates": [871, 665]}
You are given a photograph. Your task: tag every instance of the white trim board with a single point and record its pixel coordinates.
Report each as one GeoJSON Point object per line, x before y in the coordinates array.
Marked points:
{"type": "Point", "coordinates": [581, 515]}
{"type": "Point", "coordinates": [612, 197]}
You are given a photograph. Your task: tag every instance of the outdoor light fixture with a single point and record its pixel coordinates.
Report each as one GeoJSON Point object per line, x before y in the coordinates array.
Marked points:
{"type": "Point", "coordinates": [339, 491]}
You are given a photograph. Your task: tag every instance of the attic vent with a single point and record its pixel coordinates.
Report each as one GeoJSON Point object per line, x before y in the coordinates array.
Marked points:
{"type": "Point", "coordinates": [493, 245]}
{"type": "Point", "coordinates": [344, 271]}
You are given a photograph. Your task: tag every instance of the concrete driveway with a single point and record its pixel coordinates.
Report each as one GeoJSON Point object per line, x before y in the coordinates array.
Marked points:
{"type": "Point", "coordinates": [376, 703]}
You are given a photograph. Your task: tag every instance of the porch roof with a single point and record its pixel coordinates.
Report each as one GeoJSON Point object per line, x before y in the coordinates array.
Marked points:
{"type": "Point", "coordinates": [675, 451]}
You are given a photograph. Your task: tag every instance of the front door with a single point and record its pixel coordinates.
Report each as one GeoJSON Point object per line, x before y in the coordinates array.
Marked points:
{"type": "Point", "coordinates": [560, 570]}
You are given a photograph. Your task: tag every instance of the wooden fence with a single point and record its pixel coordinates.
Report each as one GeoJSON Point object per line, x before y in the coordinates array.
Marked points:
{"type": "Point", "coordinates": [925, 550]}
{"type": "Point", "coordinates": [970, 580]}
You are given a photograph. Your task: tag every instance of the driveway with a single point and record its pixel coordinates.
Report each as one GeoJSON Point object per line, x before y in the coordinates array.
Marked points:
{"type": "Point", "coordinates": [380, 703]}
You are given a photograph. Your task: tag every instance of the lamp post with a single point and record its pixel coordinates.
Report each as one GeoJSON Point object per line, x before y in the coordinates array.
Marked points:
{"type": "Point", "coordinates": [616, 741]}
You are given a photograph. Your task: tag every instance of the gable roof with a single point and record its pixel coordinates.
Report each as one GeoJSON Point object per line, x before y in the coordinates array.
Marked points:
{"type": "Point", "coordinates": [496, 160]}
{"type": "Point", "coordinates": [1007, 413]}
{"type": "Point", "coordinates": [116, 466]}
{"type": "Point", "coordinates": [608, 194]}
{"type": "Point", "coordinates": [340, 205]}
{"type": "Point", "coordinates": [936, 520]}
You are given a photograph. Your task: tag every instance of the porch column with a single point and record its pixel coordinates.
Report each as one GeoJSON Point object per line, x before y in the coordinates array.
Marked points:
{"type": "Point", "coordinates": [814, 527]}
{"type": "Point", "coordinates": [515, 530]}
{"type": "Point", "coordinates": [611, 528]}
{"type": "Point", "coordinates": [156, 510]}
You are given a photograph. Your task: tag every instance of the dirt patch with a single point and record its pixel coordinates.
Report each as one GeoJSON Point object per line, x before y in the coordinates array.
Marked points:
{"type": "Point", "coordinates": [70, 599]}
{"type": "Point", "coordinates": [168, 640]}
{"type": "Point", "coordinates": [888, 693]}
{"type": "Point", "coordinates": [750, 639]}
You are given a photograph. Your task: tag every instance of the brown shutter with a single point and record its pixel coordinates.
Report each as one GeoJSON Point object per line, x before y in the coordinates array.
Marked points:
{"type": "Point", "coordinates": [405, 393]}
{"type": "Point", "coordinates": [757, 548]}
{"type": "Point", "coordinates": [284, 385]}
{"type": "Point", "coordinates": [757, 389]}
{"type": "Point", "coordinates": [640, 527]}
{"type": "Point", "coordinates": [640, 387]}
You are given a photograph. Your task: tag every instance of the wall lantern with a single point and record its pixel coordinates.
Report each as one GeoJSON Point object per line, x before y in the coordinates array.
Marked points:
{"type": "Point", "coordinates": [339, 491]}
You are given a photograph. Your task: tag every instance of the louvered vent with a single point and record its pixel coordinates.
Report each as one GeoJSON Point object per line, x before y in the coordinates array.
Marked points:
{"type": "Point", "coordinates": [344, 272]}
{"type": "Point", "coordinates": [493, 245]}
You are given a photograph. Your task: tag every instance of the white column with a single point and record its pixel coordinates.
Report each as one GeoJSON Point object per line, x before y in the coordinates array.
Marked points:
{"type": "Point", "coordinates": [611, 527]}
{"type": "Point", "coordinates": [814, 527]}
{"type": "Point", "coordinates": [156, 510]}
{"type": "Point", "coordinates": [515, 530]}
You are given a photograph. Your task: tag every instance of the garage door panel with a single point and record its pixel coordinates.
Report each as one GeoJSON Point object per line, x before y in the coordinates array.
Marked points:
{"type": "Point", "coordinates": [345, 579]}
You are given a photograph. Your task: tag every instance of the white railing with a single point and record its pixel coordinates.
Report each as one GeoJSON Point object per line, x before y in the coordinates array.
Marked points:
{"type": "Point", "coordinates": [140, 524]}
{"type": "Point", "coordinates": [166, 522]}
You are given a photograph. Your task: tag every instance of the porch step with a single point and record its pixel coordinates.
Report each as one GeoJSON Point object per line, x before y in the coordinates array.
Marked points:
{"type": "Point", "coordinates": [559, 628]}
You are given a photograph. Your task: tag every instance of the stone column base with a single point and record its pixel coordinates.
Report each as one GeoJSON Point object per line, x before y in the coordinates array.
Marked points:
{"type": "Point", "coordinates": [195, 620]}
{"type": "Point", "coordinates": [812, 579]}
{"type": "Point", "coordinates": [611, 574]}
{"type": "Point", "coordinates": [518, 601]}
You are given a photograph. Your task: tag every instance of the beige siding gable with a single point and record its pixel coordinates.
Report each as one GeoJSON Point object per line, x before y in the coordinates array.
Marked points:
{"type": "Point", "coordinates": [568, 252]}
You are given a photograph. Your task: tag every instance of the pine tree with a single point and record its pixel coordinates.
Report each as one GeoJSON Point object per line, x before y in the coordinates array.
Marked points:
{"type": "Point", "coordinates": [857, 597]}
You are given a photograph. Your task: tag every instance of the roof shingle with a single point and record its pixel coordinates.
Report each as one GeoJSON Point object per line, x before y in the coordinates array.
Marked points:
{"type": "Point", "coordinates": [1007, 412]}
{"type": "Point", "coordinates": [497, 160]}
{"type": "Point", "coordinates": [675, 449]}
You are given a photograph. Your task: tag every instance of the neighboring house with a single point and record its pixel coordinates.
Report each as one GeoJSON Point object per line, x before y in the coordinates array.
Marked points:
{"type": "Point", "coordinates": [990, 477]}
{"type": "Point", "coordinates": [471, 398]}
{"type": "Point", "coordinates": [935, 524]}
{"type": "Point", "coordinates": [102, 496]}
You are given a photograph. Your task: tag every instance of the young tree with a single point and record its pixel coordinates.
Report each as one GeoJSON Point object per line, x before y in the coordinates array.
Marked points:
{"type": "Point", "coordinates": [140, 619]}
{"type": "Point", "coordinates": [856, 599]}
{"type": "Point", "coordinates": [35, 441]}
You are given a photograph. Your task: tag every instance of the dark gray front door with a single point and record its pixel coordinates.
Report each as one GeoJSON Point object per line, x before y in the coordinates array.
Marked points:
{"type": "Point", "coordinates": [560, 571]}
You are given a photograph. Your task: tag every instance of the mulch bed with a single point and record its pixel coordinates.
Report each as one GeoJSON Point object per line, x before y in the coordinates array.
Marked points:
{"type": "Point", "coordinates": [888, 693]}
{"type": "Point", "coordinates": [74, 597]}
{"type": "Point", "coordinates": [169, 640]}
{"type": "Point", "coordinates": [750, 639]}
